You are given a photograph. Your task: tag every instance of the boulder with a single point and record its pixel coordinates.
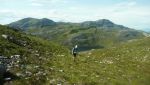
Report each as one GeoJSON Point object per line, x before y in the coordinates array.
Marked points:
{"type": "Point", "coordinates": [4, 36]}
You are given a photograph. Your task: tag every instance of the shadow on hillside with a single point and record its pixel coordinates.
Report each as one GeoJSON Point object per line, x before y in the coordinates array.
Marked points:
{"type": "Point", "coordinates": [8, 77]}
{"type": "Point", "coordinates": [84, 48]}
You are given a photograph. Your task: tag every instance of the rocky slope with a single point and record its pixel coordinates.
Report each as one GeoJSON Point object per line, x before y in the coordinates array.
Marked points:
{"type": "Point", "coordinates": [34, 56]}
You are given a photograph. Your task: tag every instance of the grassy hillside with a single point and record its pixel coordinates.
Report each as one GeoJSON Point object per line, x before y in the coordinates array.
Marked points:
{"type": "Point", "coordinates": [88, 35]}
{"type": "Point", "coordinates": [44, 63]}
{"type": "Point", "coordinates": [35, 56]}
{"type": "Point", "coordinates": [127, 64]}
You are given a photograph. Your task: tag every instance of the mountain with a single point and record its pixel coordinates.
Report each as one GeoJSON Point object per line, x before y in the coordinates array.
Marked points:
{"type": "Point", "coordinates": [101, 23]}
{"type": "Point", "coordinates": [27, 23]}
{"type": "Point", "coordinates": [88, 35]}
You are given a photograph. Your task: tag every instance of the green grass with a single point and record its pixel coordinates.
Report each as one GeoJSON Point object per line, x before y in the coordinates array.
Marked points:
{"type": "Point", "coordinates": [35, 57]}
{"type": "Point", "coordinates": [45, 63]}
{"type": "Point", "coordinates": [127, 64]}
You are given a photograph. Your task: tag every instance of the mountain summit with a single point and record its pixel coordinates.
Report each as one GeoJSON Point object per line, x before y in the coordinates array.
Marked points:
{"type": "Point", "coordinates": [27, 23]}
{"type": "Point", "coordinates": [102, 23]}
{"type": "Point", "coordinates": [98, 23]}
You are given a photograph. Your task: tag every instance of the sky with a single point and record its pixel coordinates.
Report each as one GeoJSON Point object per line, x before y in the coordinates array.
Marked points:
{"type": "Point", "coordinates": [131, 13]}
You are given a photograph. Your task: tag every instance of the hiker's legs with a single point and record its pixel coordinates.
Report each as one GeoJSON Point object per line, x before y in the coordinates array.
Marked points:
{"type": "Point", "coordinates": [74, 56]}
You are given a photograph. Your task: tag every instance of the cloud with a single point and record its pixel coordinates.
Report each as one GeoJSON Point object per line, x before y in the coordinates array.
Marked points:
{"type": "Point", "coordinates": [7, 15]}
{"type": "Point", "coordinates": [5, 10]}
{"type": "Point", "coordinates": [49, 1]}
{"type": "Point", "coordinates": [126, 3]}
{"type": "Point", "coordinates": [36, 4]}
{"type": "Point", "coordinates": [58, 1]}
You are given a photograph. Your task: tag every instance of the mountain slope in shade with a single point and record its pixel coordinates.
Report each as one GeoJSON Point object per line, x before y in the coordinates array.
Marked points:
{"type": "Point", "coordinates": [88, 35]}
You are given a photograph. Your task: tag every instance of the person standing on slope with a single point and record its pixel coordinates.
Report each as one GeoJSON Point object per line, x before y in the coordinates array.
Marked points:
{"type": "Point", "coordinates": [74, 51]}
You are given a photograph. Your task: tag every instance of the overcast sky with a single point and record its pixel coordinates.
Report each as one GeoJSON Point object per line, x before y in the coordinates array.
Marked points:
{"type": "Point", "coordinates": [130, 13]}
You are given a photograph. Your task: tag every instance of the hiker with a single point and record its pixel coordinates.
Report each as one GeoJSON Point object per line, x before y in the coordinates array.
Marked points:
{"type": "Point", "coordinates": [74, 51]}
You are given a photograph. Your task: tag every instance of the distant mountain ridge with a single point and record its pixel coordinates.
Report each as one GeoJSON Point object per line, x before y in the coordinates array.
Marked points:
{"type": "Point", "coordinates": [34, 23]}
{"type": "Point", "coordinates": [88, 35]}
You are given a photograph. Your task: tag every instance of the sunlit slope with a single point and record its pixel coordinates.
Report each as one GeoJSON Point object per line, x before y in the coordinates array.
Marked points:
{"type": "Point", "coordinates": [127, 64]}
